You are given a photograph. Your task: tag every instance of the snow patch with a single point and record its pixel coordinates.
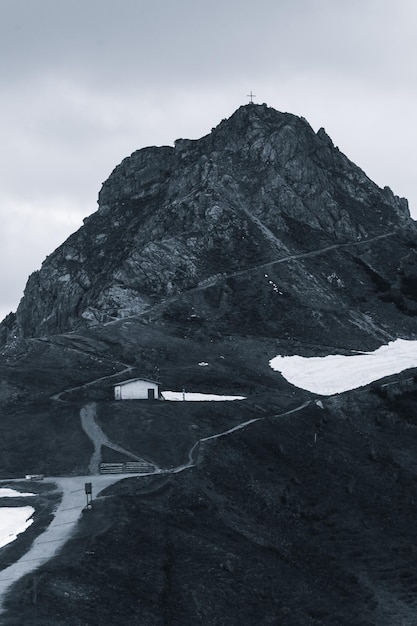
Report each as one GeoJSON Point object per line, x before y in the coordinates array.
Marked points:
{"type": "Point", "coordinates": [5, 492]}
{"type": "Point", "coordinates": [13, 521]}
{"type": "Point", "coordinates": [176, 396]}
{"type": "Point", "coordinates": [336, 373]}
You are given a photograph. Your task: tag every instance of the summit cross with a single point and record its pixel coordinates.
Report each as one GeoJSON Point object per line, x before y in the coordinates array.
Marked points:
{"type": "Point", "coordinates": [251, 96]}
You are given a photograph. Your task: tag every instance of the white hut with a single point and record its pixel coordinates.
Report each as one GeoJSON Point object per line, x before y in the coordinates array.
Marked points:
{"type": "Point", "coordinates": [137, 389]}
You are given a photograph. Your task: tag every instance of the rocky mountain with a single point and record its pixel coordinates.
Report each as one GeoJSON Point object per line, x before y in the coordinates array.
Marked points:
{"type": "Point", "coordinates": [259, 189]}
{"type": "Point", "coordinates": [203, 262]}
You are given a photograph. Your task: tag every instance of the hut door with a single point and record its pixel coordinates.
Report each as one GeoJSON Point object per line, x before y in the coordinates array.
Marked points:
{"type": "Point", "coordinates": [151, 394]}
{"type": "Point", "coordinates": [117, 394]}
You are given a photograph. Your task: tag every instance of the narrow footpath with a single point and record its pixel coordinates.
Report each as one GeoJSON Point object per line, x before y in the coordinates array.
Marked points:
{"type": "Point", "coordinates": [57, 396]}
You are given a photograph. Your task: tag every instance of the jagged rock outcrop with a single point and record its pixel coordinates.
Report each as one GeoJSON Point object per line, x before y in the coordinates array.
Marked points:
{"type": "Point", "coordinates": [261, 186]}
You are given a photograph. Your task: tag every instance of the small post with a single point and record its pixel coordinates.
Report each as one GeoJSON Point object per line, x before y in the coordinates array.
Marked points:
{"type": "Point", "coordinates": [183, 395]}
{"type": "Point", "coordinates": [89, 494]}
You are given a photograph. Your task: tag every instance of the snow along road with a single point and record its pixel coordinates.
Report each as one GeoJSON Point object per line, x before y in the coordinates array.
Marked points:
{"type": "Point", "coordinates": [47, 544]}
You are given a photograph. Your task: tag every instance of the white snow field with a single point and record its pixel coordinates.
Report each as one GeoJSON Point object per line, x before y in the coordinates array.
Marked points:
{"type": "Point", "coordinates": [13, 521]}
{"type": "Point", "coordinates": [336, 373]}
{"type": "Point", "coordinates": [177, 396]}
{"type": "Point", "coordinates": [5, 492]}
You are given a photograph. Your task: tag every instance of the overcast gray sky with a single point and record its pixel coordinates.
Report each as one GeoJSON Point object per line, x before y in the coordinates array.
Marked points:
{"type": "Point", "coordinates": [84, 83]}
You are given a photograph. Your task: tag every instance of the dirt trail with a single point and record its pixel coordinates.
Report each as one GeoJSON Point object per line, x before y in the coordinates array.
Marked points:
{"type": "Point", "coordinates": [285, 259]}
{"type": "Point", "coordinates": [57, 396]}
{"type": "Point", "coordinates": [192, 455]}
{"type": "Point", "coordinates": [73, 502]}
{"type": "Point", "coordinates": [98, 437]}
{"type": "Point", "coordinates": [213, 280]}
{"type": "Point", "coordinates": [306, 255]}
{"type": "Point", "coordinates": [47, 544]}
{"type": "Point", "coordinates": [71, 506]}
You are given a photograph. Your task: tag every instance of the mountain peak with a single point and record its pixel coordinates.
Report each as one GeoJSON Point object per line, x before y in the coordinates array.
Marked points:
{"type": "Point", "coordinates": [260, 187]}
{"type": "Point", "coordinates": [258, 120]}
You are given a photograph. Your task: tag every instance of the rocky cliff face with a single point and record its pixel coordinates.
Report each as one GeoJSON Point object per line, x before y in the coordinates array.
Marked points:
{"type": "Point", "coordinates": [260, 187]}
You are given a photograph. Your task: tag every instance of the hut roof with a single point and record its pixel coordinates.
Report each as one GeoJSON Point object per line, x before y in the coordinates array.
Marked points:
{"type": "Point", "coordinates": [134, 380]}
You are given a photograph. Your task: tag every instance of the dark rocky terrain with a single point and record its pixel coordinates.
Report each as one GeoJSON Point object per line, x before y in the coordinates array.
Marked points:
{"type": "Point", "coordinates": [260, 238]}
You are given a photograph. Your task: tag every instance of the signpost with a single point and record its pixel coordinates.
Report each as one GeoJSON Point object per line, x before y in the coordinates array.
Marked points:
{"type": "Point", "coordinates": [89, 494]}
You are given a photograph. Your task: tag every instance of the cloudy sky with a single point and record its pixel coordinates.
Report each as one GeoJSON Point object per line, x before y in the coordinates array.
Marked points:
{"type": "Point", "coordinates": [84, 83]}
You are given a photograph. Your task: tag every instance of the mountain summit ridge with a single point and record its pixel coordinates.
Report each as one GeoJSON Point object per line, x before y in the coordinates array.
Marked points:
{"type": "Point", "coordinates": [261, 186]}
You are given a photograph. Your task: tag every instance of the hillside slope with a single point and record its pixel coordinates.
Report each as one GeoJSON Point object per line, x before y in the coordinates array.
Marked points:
{"type": "Point", "coordinates": [203, 262]}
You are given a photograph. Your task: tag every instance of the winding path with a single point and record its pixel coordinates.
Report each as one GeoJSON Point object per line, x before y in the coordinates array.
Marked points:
{"type": "Point", "coordinates": [73, 502]}
{"type": "Point", "coordinates": [192, 455]}
{"type": "Point", "coordinates": [57, 396]}
{"type": "Point", "coordinates": [47, 544]}
{"type": "Point", "coordinates": [94, 432]}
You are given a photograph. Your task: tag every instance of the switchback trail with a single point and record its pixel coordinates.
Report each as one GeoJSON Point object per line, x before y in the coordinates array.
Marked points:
{"type": "Point", "coordinates": [57, 396]}
{"type": "Point", "coordinates": [126, 368]}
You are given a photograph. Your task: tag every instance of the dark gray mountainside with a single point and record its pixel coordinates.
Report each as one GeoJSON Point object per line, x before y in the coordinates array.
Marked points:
{"type": "Point", "coordinates": [203, 262]}
{"type": "Point", "coordinates": [260, 188]}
